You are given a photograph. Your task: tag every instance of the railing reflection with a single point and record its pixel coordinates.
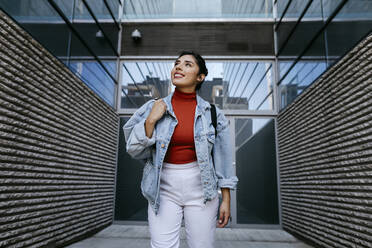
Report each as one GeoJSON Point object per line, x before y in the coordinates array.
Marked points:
{"type": "Point", "coordinates": [244, 85]}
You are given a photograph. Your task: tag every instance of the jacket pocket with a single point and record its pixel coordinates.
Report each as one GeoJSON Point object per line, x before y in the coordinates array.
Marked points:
{"type": "Point", "coordinates": [149, 181]}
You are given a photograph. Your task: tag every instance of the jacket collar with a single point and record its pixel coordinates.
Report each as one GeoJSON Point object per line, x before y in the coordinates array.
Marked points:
{"type": "Point", "coordinates": [201, 104]}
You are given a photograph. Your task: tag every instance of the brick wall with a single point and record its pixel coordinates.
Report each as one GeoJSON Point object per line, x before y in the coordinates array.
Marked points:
{"type": "Point", "coordinates": [325, 151]}
{"type": "Point", "coordinates": [58, 148]}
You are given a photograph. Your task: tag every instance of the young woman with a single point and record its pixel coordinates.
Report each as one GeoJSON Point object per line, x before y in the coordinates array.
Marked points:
{"type": "Point", "coordinates": [185, 161]}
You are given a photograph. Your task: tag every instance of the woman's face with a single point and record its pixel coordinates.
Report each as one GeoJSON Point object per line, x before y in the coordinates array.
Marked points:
{"type": "Point", "coordinates": [185, 73]}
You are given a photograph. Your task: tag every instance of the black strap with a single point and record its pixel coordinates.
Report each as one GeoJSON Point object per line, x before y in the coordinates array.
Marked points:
{"type": "Point", "coordinates": [214, 118]}
{"type": "Point", "coordinates": [214, 122]}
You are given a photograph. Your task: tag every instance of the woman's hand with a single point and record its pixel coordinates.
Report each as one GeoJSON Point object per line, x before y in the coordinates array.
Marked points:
{"type": "Point", "coordinates": [224, 213]}
{"type": "Point", "coordinates": [224, 208]}
{"type": "Point", "coordinates": [157, 111]}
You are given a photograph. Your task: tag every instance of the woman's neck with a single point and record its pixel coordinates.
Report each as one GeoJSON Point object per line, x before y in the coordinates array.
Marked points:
{"type": "Point", "coordinates": [186, 90]}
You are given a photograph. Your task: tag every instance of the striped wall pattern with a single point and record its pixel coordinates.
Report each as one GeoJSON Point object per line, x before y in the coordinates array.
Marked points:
{"type": "Point", "coordinates": [325, 153]}
{"type": "Point", "coordinates": [58, 148]}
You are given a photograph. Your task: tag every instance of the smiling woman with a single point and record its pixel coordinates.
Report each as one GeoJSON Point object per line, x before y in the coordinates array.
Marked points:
{"type": "Point", "coordinates": [174, 136]}
{"type": "Point", "coordinates": [189, 71]}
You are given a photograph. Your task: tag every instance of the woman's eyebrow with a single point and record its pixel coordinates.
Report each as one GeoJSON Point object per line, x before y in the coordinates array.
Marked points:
{"type": "Point", "coordinates": [187, 61]}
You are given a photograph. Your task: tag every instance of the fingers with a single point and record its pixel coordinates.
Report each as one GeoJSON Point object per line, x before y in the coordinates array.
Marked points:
{"type": "Point", "coordinates": [223, 219]}
{"type": "Point", "coordinates": [160, 102]}
{"type": "Point", "coordinates": [157, 111]}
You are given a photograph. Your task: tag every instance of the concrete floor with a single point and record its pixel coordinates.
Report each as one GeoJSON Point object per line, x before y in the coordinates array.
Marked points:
{"type": "Point", "coordinates": [122, 236]}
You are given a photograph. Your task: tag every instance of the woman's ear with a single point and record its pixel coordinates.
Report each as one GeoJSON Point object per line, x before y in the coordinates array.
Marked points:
{"type": "Point", "coordinates": [201, 77]}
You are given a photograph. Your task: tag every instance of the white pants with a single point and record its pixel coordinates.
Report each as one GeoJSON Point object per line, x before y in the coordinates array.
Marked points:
{"type": "Point", "coordinates": [181, 195]}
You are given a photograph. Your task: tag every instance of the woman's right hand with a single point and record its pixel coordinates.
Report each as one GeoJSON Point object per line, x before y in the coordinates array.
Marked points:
{"type": "Point", "coordinates": [157, 111]}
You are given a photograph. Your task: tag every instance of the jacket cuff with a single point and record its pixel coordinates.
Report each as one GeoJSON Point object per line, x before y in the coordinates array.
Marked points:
{"type": "Point", "coordinates": [228, 183]}
{"type": "Point", "coordinates": [141, 134]}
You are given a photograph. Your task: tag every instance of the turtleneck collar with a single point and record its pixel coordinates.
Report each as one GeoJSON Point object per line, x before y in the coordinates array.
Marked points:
{"type": "Point", "coordinates": [184, 96]}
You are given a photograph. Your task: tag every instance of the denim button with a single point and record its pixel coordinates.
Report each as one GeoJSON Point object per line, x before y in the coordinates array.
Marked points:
{"type": "Point", "coordinates": [162, 145]}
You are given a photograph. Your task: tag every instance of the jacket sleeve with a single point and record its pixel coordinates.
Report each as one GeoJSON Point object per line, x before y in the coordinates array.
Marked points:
{"type": "Point", "coordinates": [222, 154]}
{"type": "Point", "coordinates": [138, 144]}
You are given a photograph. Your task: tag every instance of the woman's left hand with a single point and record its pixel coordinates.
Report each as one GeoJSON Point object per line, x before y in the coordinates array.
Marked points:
{"type": "Point", "coordinates": [224, 214]}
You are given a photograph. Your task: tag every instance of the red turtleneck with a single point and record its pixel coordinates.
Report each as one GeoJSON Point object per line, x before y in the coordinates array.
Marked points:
{"type": "Point", "coordinates": [181, 149]}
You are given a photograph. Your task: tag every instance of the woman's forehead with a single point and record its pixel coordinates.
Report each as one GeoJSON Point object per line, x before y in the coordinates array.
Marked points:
{"type": "Point", "coordinates": [187, 58]}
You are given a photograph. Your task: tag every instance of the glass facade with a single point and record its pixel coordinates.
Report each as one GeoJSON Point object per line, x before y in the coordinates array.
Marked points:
{"type": "Point", "coordinates": [165, 9]}
{"type": "Point", "coordinates": [243, 85]}
{"type": "Point", "coordinates": [311, 37]}
{"type": "Point", "coordinates": [82, 34]}
{"type": "Point", "coordinates": [257, 192]}
{"type": "Point", "coordinates": [130, 205]}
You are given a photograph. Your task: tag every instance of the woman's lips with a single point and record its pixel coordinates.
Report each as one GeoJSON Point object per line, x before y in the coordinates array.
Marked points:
{"type": "Point", "coordinates": [178, 75]}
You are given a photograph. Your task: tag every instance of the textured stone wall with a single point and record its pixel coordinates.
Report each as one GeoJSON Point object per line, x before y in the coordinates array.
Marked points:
{"type": "Point", "coordinates": [58, 148]}
{"type": "Point", "coordinates": [325, 151]}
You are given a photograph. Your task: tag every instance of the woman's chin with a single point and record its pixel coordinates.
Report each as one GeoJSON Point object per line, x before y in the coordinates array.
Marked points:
{"type": "Point", "coordinates": [179, 83]}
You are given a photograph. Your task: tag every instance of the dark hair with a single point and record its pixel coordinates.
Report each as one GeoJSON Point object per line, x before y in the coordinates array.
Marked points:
{"type": "Point", "coordinates": [200, 61]}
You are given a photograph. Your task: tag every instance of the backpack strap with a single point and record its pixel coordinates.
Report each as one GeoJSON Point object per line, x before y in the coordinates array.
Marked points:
{"type": "Point", "coordinates": [214, 118]}
{"type": "Point", "coordinates": [214, 123]}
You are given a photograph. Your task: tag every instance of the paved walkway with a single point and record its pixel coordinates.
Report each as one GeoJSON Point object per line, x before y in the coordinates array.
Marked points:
{"type": "Point", "coordinates": [130, 236]}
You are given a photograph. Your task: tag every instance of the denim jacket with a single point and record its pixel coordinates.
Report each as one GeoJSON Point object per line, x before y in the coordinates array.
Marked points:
{"type": "Point", "coordinates": [152, 150]}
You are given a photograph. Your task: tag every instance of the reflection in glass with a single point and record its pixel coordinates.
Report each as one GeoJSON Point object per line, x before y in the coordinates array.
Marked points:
{"type": "Point", "coordinates": [325, 48]}
{"type": "Point", "coordinates": [303, 33]}
{"type": "Point", "coordinates": [96, 78]}
{"type": "Point", "coordinates": [91, 33]}
{"type": "Point", "coordinates": [304, 72]}
{"type": "Point", "coordinates": [35, 10]}
{"type": "Point", "coordinates": [142, 81]}
{"type": "Point", "coordinates": [140, 9]}
{"type": "Point", "coordinates": [99, 9]}
{"type": "Point", "coordinates": [229, 85]}
{"type": "Point", "coordinates": [281, 6]}
{"type": "Point", "coordinates": [356, 18]}
{"type": "Point", "coordinates": [257, 195]}
{"type": "Point", "coordinates": [39, 10]}
{"type": "Point", "coordinates": [40, 19]}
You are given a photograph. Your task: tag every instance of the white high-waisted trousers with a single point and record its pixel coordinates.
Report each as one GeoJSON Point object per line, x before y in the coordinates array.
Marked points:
{"type": "Point", "coordinates": [181, 195]}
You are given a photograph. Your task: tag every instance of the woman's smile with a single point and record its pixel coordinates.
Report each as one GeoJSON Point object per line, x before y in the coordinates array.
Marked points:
{"type": "Point", "coordinates": [178, 75]}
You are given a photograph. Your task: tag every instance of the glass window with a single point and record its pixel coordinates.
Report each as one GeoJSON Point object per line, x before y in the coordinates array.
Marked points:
{"type": "Point", "coordinates": [350, 25]}
{"type": "Point", "coordinates": [281, 5]}
{"type": "Point", "coordinates": [304, 72]}
{"type": "Point", "coordinates": [115, 6]}
{"type": "Point", "coordinates": [144, 80]}
{"type": "Point", "coordinates": [91, 72]}
{"type": "Point", "coordinates": [303, 33]}
{"type": "Point", "coordinates": [140, 9]}
{"type": "Point", "coordinates": [91, 32]}
{"type": "Point", "coordinates": [332, 43]}
{"type": "Point", "coordinates": [41, 20]}
{"type": "Point", "coordinates": [129, 202]}
{"type": "Point", "coordinates": [257, 192]}
{"type": "Point", "coordinates": [230, 85]}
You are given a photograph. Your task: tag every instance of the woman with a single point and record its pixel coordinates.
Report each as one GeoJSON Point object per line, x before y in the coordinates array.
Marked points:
{"type": "Point", "coordinates": [186, 161]}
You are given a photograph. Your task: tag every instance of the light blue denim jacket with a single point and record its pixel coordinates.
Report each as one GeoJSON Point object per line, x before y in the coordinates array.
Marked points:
{"type": "Point", "coordinates": [152, 150]}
